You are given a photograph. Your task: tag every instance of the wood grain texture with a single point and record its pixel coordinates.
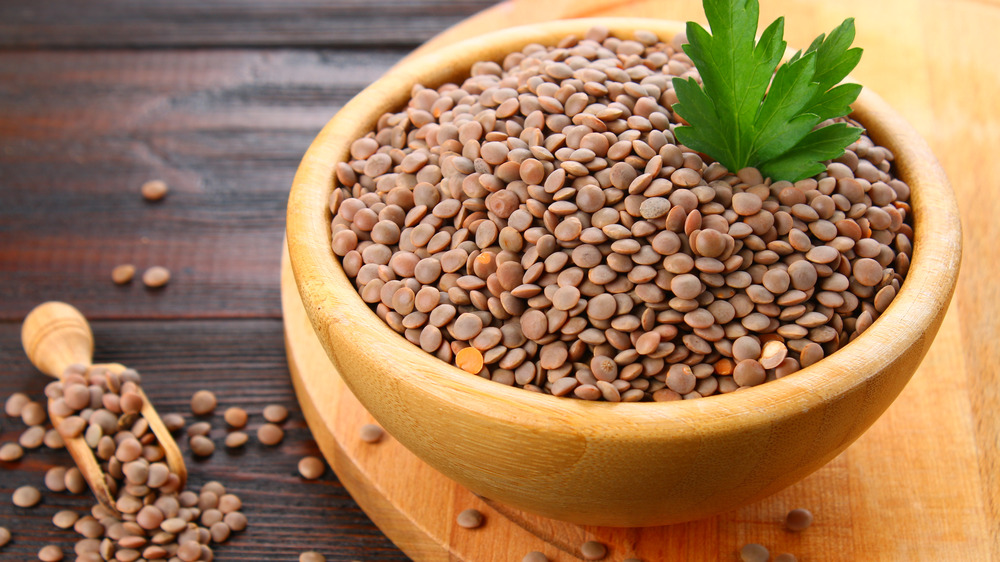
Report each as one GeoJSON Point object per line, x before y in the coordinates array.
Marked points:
{"type": "Point", "coordinates": [531, 451]}
{"type": "Point", "coordinates": [166, 23]}
{"type": "Point", "coordinates": [243, 363]}
{"type": "Point", "coordinates": [81, 131]}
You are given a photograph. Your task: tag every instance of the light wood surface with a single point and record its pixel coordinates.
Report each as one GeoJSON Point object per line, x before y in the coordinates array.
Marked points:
{"type": "Point", "coordinates": [55, 335]}
{"type": "Point", "coordinates": [540, 453]}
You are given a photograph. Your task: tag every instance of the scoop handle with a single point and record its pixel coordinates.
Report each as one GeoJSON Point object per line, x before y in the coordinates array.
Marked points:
{"type": "Point", "coordinates": [55, 335]}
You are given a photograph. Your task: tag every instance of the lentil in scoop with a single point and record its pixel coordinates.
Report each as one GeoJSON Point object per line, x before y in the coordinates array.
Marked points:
{"type": "Point", "coordinates": [542, 214]}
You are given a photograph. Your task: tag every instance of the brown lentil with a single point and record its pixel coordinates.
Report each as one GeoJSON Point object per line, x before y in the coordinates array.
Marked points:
{"type": "Point", "coordinates": [156, 277]}
{"type": "Point", "coordinates": [569, 217]}
{"type": "Point", "coordinates": [202, 446]}
{"type": "Point", "coordinates": [798, 519]}
{"type": "Point", "coordinates": [75, 483]}
{"type": "Point", "coordinates": [371, 433]}
{"type": "Point", "coordinates": [50, 553]}
{"type": "Point", "coordinates": [4, 536]}
{"type": "Point", "coordinates": [32, 437]}
{"type": "Point", "coordinates": [593, 550]}
{"type": "Point", "coordinates": [10, 452]}
{"type": "Point", "coordinates": [123, 274]}
{"type": "Point", "coordinates": [469, 519]}
{"type": "Point", "coordinates": [311, 556]}
{"type": "Point", "coordinates": [15, 403]}
{"type": "Point", "coordinates": [753, 552]}
{"type": "Point", "coordinates": [270, 434]}
{"type": "Point", "coordinates": [275, 413]}
{"type": "Point", "coordinates": [173, 422]}
{"type": "Point", "coordinates": [311, 468]}
{"type": "Point", "coordinates": [55, 479]}
{"type": "Point", "coordinates": [65, 519]}
{"type": "Point", "coordinates": [203, 402]}
{"type": "Point", "coordinates": [535, 556]}
{"type": "Point", "coordinates": [26, 496]}
{"type": "Point", "coordinates": [32, 413]}
{"type": "Point", "coordinates": [236, 439]}
{"type": "Point", "coordinates": [154, 190]}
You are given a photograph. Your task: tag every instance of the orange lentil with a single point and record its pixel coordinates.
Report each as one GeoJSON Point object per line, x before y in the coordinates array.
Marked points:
{"type": "Point", "coordinates": [470, 360]}
{"type": "Point", "coordinates": [724, 366]}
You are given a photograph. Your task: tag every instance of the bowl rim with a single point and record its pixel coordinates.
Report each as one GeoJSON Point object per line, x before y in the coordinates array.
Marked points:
{"type": "Point", "coordinates": [913, 314]}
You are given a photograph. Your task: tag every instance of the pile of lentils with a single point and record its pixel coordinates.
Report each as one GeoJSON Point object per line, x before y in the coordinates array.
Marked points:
{"type": "Point", "coordinates": [156, 518]}
{"type": "Point", "coordinates": [538, 225]}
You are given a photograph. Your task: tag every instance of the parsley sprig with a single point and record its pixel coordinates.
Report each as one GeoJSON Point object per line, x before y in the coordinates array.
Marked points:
{"type": "Point", "coordinates": [746, 114]}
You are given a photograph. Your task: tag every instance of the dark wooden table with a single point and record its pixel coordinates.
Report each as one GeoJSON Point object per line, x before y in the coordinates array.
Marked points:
{"type": "Point", "coordinates": [220, 100]}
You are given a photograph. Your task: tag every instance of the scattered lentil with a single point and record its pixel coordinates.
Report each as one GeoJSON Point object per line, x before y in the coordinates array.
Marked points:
{"type": "Point", "coordinates": [55, 478]}
{"type": "Point", "coordinates": [203, 403]}
{"type": "Point", "coordinates": [123, 274]}
{"type": "Point", "coordinates": [469, 519]}
{"type": "Point", "coordinates": [202, 446]}
{"type": "Point", "coordinates": [26, 496]}
{"type": "Point", "coordinates": [174, 422]}
{"type": "Point", "coordinates": [535, 556]}
{"type": "Point", "coordinates": [236, 439]}
{"type": "Point", "coordinates": [311, 468]}
{"type": "Point", "coordinates": [15, 404]}
{"type": "Point", "coordinates": [32, 438]}
{"type": "Point", "coordinates": [65, 519]}
{"type": "Point", "coordinates": [236, 417]}
{"type": "Point", "coordinates": [753, 552]}
{"type": "Point", "coordinates": [270, 434]}
{"type": "Point", "coordinates": [50, 553]}
{"type": "Point", "coordinates": [785, 557]}
{"type": "Point", "coordinates": [275, 413]}
{"type": "Point", "coordinates": [75, 483]}
{"type": "Point", "coordinates": [154, 190]}
{"type": "Point", "coordinates": [10, 452]}
{"type": "Point", "coordinates": [4, 536]}
{"type": "Point", "coordinates": [593, 550]}
{"type": "Point", "coordinates": [156, 277]}
{"type": "Point", "coordinates": [798, 519]}
{"type": "Point", "coordinates": [32, 413]}
{"type": "Point", "coordinates": [371, 433]}
{"type": "Point", "coordinates": [311, 556]}
{"type": "Point", "coordinates": [53, 440]}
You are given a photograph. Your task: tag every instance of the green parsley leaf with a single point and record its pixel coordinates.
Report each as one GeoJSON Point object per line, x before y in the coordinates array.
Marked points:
{"type": "Point", "coordinates": [744, 113]}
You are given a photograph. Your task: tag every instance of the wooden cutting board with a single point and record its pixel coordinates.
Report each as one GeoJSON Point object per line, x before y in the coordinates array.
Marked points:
{"type": "Point", "coordinates": [922, 484]}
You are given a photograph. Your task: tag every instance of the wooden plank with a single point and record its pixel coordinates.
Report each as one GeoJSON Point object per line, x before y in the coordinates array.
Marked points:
{"type": "Point", "coordinates": [226, 129]}
{"type": "Point", "coordinates": [242, 362]}
{"type": "Point", "coordinates": [166, 23]}
{"type": "Point", "coordinates": [965, 133]}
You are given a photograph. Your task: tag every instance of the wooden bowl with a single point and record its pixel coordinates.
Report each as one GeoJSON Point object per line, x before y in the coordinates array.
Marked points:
{"type": "Point", "coordinates": [614, 464]}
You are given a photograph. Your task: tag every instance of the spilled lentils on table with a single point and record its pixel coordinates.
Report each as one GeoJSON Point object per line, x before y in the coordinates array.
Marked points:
{"type": "Point", "coordinates": [542, 216]}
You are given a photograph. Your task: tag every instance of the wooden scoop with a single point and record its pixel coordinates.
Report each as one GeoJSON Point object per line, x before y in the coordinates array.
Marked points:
{"type": "Point", "coordinates": [55, 335]}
